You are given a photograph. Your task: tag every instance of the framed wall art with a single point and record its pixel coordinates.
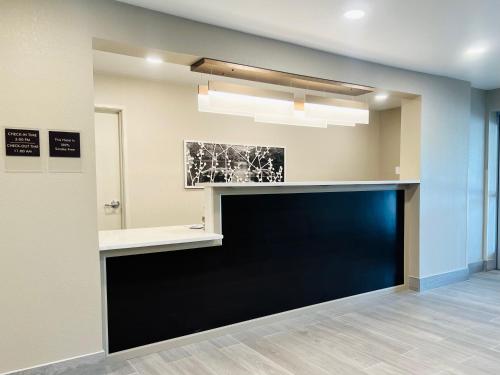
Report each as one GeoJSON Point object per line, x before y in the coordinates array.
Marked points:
{"type": "Point", "coordinates": [208, 162]}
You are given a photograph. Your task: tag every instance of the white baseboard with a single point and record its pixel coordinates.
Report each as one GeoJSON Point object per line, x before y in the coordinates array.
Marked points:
{"type": "Point", "coordinates": [435, 281]}
{"type": "Point", "coordinates": [477, 267]}
{"type": "Point", "coordinates": [58, 367]}
{"type": "Point", "coordinates": [482, 266]}
{"type": "Point", "coordinates": [491, 264]}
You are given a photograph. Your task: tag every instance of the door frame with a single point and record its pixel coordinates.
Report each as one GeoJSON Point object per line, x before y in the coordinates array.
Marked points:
{"type": "Point", "coordinates": [494, 117]}
{"type": "Point", "coordinates": [120, 112]}
{"type": "Point", "coordinates": [491, 118]}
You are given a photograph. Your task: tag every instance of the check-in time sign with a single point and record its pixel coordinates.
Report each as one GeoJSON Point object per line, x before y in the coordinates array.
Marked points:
{"type": "Point", "coordinates": [22, 142]}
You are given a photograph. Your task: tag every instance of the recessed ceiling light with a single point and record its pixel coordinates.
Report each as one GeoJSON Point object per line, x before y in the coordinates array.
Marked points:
{"type": "Point", "coordinates": [154, 60]}
{"type": "Point", "coordinates": [354, 14]}
{"type": "Point", "coordinates": [476, 50]}
{"type": "Point", "coordinates": [381, 97]}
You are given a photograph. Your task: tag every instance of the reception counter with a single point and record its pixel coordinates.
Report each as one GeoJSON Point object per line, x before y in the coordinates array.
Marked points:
{"type": "Point", "coordinates": [141, 240]}
{"type": "Point", "coordinates": [284, 246]}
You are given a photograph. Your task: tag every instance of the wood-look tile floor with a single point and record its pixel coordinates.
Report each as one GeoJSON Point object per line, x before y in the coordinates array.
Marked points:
{"type": "Point", "coordinates": [450, 330]}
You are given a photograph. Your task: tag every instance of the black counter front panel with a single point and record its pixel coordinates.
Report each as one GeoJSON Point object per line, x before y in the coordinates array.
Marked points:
{"type": "Point", "coordinates": [279, 252]}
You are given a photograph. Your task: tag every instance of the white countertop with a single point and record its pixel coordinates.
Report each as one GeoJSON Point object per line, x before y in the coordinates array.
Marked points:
{"type": "Point", "coordinates": [308, 183]}
{"type": "Point", "coordinates": [146, 237]}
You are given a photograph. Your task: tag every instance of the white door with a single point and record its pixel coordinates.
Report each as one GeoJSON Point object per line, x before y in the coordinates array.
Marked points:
{"type": "Point", "coordinates": [108, 171]}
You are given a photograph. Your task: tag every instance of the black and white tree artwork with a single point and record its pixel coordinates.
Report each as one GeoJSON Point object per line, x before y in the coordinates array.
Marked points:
{"type": "Point", "coordinates": [217, 162]}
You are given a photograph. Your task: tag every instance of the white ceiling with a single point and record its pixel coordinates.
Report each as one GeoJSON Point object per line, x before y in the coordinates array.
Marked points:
{"type": "Point", "coordinates": [423, 35]}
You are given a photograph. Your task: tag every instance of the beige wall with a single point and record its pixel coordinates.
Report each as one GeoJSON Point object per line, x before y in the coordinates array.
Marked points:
{"type": "Point", "coordinates": [389, 143]}
{"type": "Point", "coordinates": [410, 135]}
{"type": "Point", "coordinates": [159, 116]}
{"type": "Point", "coordinates": [49, 264]}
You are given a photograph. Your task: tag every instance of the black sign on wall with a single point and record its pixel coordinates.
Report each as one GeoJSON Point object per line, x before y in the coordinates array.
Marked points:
{"type": "Point", "coordinates": [22, 142]}
{"type": "Point", "coordinates": [64, 144]}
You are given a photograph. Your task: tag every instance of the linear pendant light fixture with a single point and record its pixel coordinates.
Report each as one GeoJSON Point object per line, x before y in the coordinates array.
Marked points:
{"type": "Point", "coordinates": [252, 73]}
{"type": "Point", "coordinates": [277, 107]}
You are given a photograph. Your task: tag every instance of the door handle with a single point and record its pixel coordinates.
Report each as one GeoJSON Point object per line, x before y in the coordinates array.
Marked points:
{"type": "Point", "coordinates": [113, 204]}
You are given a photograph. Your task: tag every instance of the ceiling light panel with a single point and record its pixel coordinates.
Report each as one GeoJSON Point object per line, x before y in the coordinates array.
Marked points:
{"type": "Point", "coordinates": [154, 60]}
{"type": "Point", "coordinates": [354, 14]}
{"type": "Point", "coordinates": [476, 50]}
{"type": "Point", "coordinates": [381, 97]}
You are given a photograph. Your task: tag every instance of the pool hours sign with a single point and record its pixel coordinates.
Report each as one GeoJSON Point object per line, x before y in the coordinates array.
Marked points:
{"type": "Point", "coordinates": [22, 142]}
